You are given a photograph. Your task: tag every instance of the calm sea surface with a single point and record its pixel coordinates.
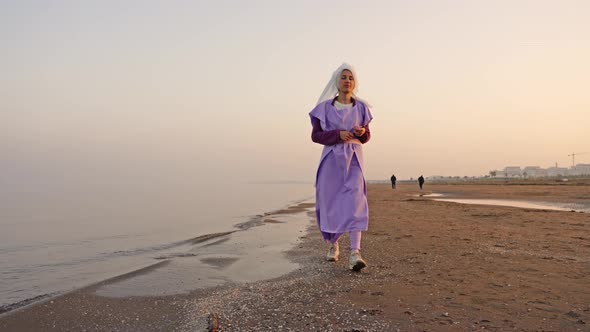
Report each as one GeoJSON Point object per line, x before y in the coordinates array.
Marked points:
{"type": "Point", "coordinates": [58, 239]}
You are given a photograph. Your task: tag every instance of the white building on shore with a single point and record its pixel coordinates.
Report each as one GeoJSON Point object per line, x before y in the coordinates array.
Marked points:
{"type": "Point", "coordinates": [536, 171]}
{"type": "Point", "coordinates": [532, 171]}
{"type": "Point", "coordinates": [580, 169]}
{"type": "Point", "coordinates": [512, 172]}
{"type": "Point", "coordinates": [557, 171]}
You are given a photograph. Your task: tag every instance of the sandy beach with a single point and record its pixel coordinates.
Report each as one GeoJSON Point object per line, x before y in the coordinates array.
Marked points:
{"type": "Point", "coordinates": [433, 266]}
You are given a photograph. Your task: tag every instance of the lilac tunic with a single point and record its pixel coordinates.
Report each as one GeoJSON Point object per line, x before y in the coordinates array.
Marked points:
{"type": "Point", "coordinates": [341, 195]}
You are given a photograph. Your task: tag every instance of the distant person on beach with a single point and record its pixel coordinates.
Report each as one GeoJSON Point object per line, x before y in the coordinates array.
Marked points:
{"type": "Point", "coordinates": [421, 181]}
{"type": "Point", "coordinates": [340, 122]}
{"type": "Point", "coordinates": [393, 179]}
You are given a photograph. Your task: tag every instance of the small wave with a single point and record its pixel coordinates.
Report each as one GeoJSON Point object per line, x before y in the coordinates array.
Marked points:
{"type": "Point", "coordinates": [180, 254]}
{"type": "Point", "coordinates": [298, 206]}
{"type": "Point", "coordinates": [253, 222]}
{"type": "Point", "coordinates": [131, 252]}
{"type": "Point", "coordinates": [194, 240]}
{"type": "Point", "coordinates": [216, 242]}
{"type": "Point", "coordinates": [206, 237]}
{"type": "Point", "coordinates": [25, 302]}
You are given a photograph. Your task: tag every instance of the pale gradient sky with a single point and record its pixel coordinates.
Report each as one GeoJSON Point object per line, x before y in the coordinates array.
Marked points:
{"type": "Point", "coordinates": [92, 88]}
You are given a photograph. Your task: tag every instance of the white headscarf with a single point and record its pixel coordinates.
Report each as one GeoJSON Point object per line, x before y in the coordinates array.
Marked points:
{"type": "Point", "coordinates": [331, 89]}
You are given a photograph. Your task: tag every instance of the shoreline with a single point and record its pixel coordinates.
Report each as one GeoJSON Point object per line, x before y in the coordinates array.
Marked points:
{"type": "Point", "coordinates": [208, 240]}
{"type": "Point", "coordinates": [432, 266]}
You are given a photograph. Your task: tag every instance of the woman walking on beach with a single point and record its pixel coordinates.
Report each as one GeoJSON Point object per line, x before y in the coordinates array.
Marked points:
{"type": "Point", "coordinates": [340, 122]}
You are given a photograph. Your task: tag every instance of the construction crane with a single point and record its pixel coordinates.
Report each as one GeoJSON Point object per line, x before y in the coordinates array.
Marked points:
{"type": "Point", "coordinates": [573, 155]}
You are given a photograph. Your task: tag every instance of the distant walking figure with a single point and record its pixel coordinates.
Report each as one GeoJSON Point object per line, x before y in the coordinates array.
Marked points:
{"type": "Point", "coordinates": [421, 181]}
{"type": "Point", "coordinates": [340, 123]}
{"type": "Point", "coordinates": [393, 178]}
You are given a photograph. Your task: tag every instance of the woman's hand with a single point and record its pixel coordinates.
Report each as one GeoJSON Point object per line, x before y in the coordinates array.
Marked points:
{"type": "Point", "coordinates": [359, 131]}
{"type": "Point", "coordinates": [346, 135]}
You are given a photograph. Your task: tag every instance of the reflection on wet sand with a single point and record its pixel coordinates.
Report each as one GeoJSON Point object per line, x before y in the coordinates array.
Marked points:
{"type": "Point", "coordinates": [573, 207]}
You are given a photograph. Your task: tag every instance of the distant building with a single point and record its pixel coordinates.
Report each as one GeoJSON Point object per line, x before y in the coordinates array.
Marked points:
{"type": "Point", "coordinates": [531, 171]}
{"type": "Point", "coordinates": [557, 171]}
{"type": "Point", "coordinates": [580, 169]}
{"type": "Point", "coordinates": [537, 172]}
{"type": "Point", "coordinates": [541, 172]}
{"type": "Point", "coordinates": [512, 171]}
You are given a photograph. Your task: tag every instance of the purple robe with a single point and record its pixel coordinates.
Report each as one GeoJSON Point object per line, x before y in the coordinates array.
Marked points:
{"type": "Point", "coordinates": [341, 193]}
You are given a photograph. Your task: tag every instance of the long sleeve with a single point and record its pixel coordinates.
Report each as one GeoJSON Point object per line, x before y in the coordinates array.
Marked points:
{"type": "Point", "coordinates": [366, 136]}
{"type": "Point", "coordinates": [331, 137]}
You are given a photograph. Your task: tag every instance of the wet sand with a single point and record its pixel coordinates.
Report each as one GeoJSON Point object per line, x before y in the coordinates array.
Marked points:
{"type": "Point", "coordinates": [433, 266]}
